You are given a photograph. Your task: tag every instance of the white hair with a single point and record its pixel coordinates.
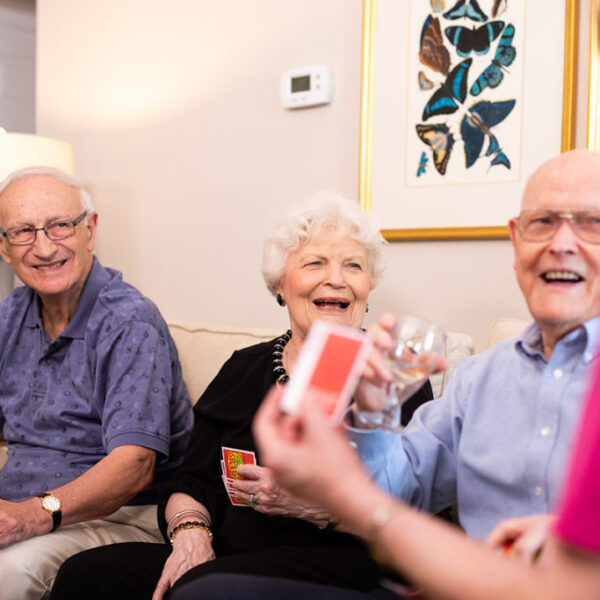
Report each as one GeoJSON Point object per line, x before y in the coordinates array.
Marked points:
{"type": "Point", "coordinates": [84, 197]}
{"type": "Point", "coordinates": [306, 219]}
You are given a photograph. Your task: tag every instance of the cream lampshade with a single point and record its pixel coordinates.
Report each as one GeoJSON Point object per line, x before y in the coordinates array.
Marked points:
{"type": "Point", "coordinates": [21, 150]}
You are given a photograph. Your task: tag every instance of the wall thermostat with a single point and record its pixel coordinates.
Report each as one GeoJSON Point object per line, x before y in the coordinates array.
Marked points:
{"type": "Point", "coordinates": [306, 86]}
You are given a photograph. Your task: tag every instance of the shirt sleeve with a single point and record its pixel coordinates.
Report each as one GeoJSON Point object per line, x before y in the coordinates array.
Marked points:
{"type": "Point", "coordinates": [578, 513]}
{"type": "Point", "coordinates": [134, 380]}
{"type": "Point", "coordinates": [419, 465]}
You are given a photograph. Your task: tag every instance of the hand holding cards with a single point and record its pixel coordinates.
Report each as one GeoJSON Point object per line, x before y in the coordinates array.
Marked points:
{"type": "Point", "coordinates": [327, 370]}
{"type": "Point", "coordinates": [232, 459]}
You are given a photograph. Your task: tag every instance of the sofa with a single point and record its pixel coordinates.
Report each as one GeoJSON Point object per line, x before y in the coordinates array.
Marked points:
{"type": "Point", "coordinates": [203, 348]}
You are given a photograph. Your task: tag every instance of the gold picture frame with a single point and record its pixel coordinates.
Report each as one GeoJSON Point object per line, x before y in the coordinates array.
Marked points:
{"type": "Point", "coordinates": [567, 126]}
{"type": "Point", "coordinates": [593, 116]}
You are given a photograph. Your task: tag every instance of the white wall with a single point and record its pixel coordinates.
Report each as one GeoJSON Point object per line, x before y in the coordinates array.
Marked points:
{"type": "Point", "coordinates": [173, 112]}
{"type": "Point", "coordinates": [17, 82]}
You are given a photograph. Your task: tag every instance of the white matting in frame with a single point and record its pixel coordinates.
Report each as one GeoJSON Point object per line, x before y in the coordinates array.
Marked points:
{"type": "Point", "coordinates": [482, 195]}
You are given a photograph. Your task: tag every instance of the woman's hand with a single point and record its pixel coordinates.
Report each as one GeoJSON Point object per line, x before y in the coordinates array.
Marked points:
{"type": "Point", "coordinates": [191, 547]}
{"type": "Point", "coordinates": [308, 455]}
{"type": "Point", "coordinates": [260, 489]}
{"type": "Point", "coordinates": [522, 538]}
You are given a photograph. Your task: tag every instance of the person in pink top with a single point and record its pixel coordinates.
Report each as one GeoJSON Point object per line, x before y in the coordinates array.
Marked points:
{"type": "Point", "coordinates": [578, 521]}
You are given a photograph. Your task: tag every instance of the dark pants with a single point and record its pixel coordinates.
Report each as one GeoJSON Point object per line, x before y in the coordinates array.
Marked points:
{"type": "Point", "coordinates": [132, 570]}
{"type": "Point", "coordinates": [230, 586]}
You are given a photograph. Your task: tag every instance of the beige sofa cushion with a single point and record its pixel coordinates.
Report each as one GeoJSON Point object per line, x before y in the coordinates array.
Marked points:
{"type": "Point", "coordinates": [504, 329]}
{"type": "Point", "coordinates": [204, 348]}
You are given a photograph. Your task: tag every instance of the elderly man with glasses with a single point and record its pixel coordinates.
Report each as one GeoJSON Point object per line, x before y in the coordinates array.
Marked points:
{"type": "Point", "coordinates": [92, 401]}
{"type": "Point", "coordinates": [496, 442]}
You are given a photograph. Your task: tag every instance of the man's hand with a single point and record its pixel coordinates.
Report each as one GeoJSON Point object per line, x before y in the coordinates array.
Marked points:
{"type": "Point", "coordinates": [522, 538]}
{"type": "Point", "coordinates": [370, 395]}
{"type": "Point", "coordinates": [22, 520]}
{"type": "Point", "coordinates": [191, 547]}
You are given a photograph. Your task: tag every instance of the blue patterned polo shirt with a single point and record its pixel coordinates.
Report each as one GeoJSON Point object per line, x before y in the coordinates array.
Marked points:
{"type": "Point", "coordinates": [112, 378]}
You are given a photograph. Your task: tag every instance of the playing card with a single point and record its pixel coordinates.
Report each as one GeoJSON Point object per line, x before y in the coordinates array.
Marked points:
{"type": "Point", "coordinates": [327, 370]}
{"type": "Point", "coordinates": [233, 458]}
{"type": "Point", "coordinates": [230, 492]}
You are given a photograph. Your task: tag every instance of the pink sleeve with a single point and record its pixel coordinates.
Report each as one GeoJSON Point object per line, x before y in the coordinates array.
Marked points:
{"type": "Point", "coordinates": [579, 510]}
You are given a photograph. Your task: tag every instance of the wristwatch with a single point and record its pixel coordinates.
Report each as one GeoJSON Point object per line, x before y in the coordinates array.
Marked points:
{"type": "Point", "coordinates": [51, 504]}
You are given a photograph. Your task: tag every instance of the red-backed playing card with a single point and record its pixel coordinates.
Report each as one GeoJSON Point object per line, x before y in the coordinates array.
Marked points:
{"type": "Point", "coordinates": [328, 369]}
{"type": "Point", "coordinates": [233, 458]}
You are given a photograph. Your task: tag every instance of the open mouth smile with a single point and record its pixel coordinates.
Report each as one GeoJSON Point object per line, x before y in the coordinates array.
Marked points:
{"type": "Point", "coordinates": [334, 303]}
{"type": "Point", "coordinates": [561, 277]}
{"type": "Point", "coordinates": [50, 266]}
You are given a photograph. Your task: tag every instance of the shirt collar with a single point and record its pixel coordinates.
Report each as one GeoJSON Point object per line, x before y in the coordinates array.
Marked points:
{"type": "Point", "coordinates": [96, 280]}
{"type": "Point", "coordinates": [530, 341]}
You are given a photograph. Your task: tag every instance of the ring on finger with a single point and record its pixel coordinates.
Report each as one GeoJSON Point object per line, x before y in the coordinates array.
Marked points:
{"type": "Point", "coordinates": [251, 500]}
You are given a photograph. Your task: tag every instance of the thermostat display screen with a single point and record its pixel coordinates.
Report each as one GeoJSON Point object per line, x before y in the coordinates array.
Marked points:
{"type": "Point", "coordinates": [301, 84]}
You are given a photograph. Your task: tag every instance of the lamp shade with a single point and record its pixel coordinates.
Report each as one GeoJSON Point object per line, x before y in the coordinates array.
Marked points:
{"type": "Point", "coordinates": [22, 150]}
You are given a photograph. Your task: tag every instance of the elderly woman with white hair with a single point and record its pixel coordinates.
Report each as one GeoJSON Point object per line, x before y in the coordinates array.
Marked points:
{"type": "Point", "coordinates": [321, 262]}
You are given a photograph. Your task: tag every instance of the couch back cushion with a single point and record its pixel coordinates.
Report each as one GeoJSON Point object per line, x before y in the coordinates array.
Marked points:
{"type": "Point", "coordinates": [204, 348]}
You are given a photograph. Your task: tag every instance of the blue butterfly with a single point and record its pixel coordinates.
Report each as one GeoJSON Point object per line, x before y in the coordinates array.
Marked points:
{"type": "Point", "coordinates": [462, 9]}
{"type": "Point", "coordinates": [422, 164]}
{"type": "Point", "coordinates": [439, 138]}
{"type": "Point", "coordinates": [476, 124]}
{"type": "Point", "coordinates": [505, 54]}
{"type": "Point", "coordinates": [476, 40]}
{"type": "Point", "coordinates": [494, 148]}
{"type": "Point", "coordinates": [455, 87]}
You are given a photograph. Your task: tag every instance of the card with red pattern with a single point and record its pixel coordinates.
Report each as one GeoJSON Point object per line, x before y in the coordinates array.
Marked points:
{"type": "Point", "coordinates": [233, 458]}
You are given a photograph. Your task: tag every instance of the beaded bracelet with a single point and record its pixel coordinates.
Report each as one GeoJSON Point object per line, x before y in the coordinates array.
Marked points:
{"type": "Point", "coordinates": [189, 525]}
{"type": "Point", "coordinates": [189, 511]}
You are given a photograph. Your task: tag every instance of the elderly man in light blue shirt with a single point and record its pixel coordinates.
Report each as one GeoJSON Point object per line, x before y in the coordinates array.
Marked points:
{"type": "Point", "coordinates": [497, 440]}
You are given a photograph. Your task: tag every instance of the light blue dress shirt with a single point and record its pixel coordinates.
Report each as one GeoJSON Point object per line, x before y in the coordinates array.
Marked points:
{"type": "Point", "coordinates": [497, 441]}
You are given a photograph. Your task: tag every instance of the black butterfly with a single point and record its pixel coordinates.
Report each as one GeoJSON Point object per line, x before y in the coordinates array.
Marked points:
{"type": "Point", "coordinates": [439, 138]}
{"type": "Point", "coordinates": [454, 88]}
{"type": "Point", "coordinates": [505, 54]}
{"type": "Point", "coordinates": [476, 40]}
{"type": "Point", "coordinates": [462, 9]}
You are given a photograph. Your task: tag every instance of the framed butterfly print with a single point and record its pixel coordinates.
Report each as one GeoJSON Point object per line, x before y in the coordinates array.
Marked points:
{"type": "Point", "coordinates": [461, 101]}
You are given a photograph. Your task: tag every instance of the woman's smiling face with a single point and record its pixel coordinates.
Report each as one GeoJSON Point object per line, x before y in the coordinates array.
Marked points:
{"type": "Point", "coordinates": [326, 278]}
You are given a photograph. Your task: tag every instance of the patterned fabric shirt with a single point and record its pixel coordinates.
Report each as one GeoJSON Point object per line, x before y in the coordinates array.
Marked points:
{"type": "Point", "coordinates": [497, 440]}
{"type": "Point", "coordinates": [112, 378]}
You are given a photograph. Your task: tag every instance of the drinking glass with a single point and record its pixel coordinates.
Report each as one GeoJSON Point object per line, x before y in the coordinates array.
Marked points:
{"type": "Point", "coordinates": [411, 359]}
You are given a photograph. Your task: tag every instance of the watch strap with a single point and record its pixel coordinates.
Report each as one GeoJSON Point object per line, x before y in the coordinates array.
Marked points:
{"type": "Point", "coordinates": [55, 514]}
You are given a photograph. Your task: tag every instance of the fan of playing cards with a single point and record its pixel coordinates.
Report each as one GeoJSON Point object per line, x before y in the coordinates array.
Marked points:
{"type": "Point", "coordinates": [232, 459]}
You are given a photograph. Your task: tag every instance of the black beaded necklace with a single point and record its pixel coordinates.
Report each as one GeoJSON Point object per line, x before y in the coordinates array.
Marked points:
{"type": "Point", "coordinates": [278, 368]}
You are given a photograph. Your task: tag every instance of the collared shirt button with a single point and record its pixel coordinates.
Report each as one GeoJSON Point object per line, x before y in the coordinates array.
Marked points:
{"type": "Point", "coordinates": [538, 491]}
{"type": "Point", "coordinates": [545, 431]}
{"type": "Point", "coordinates": [558, 373]}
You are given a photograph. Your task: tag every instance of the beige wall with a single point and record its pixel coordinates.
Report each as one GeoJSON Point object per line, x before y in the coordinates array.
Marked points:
{"type": "Point", "coordinates": [173, 111]}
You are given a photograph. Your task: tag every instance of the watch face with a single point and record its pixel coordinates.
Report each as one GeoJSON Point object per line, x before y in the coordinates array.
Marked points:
{"type": "Point", "coordinates": [51, 503]}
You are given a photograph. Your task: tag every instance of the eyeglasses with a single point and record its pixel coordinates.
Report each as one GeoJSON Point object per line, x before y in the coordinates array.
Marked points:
{"type": "Point", "coordinates": [541, 225]}
{"type": "Point", "coordinates": [55, 230]}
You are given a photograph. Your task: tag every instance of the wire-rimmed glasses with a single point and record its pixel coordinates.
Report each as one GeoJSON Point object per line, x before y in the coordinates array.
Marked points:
{"type": "Point", "coordinates": [55, 231]}
{"type": "Point", "coordinates": [541, 225]}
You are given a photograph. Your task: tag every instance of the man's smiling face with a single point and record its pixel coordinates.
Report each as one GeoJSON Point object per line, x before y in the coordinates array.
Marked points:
{"type": "Point", "coordinates": [54, 269]}
{"type": "Point", "coordinates": [560, 277]}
